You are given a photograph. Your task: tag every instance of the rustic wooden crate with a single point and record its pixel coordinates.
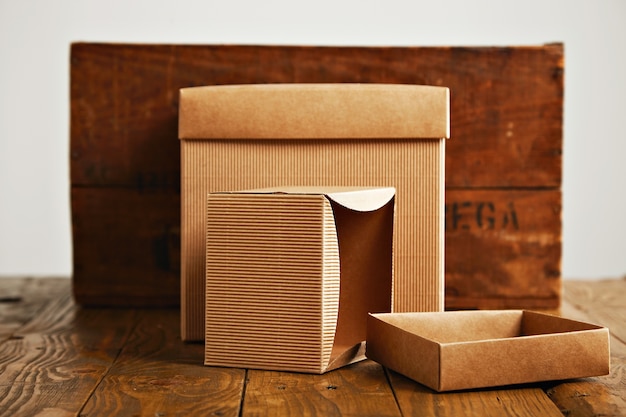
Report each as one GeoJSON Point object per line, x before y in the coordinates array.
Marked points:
{"type": "Point", "coordinates": [503, 163]}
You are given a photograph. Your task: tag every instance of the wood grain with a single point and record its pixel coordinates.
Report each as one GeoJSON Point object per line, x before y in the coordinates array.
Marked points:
{"type": "Point", "coordinates": [503, 248]}
{"type": "Point", "coordinates": [57, 359]}
{"type": "Point", "coordinates": [417, 400]}
{"type": "Point", "coordinates": [126, 247]}
{"type": "Point", "coordinates": [52, 363]}
{"type": "Point", "coordinates": [156, 374]}
{"type": "Point", "coordinates": [360, 389]}
{"type": "Point", "coordinates": [601, 303]}
{"type": "Point", "coordinates": [506, 124]}
{"type": "Point", "coordinates": [22, 298]}
{"type": "Point", "coordinates": [506, 103]}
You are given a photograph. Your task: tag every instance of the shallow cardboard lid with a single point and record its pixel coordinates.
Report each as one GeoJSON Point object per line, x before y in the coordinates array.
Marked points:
{"type": "Point", "coordinates": [314, 111]}
{"type": "Point", "coordinates": [353, 198]}
{"type": "Point", "coordinates": [474, 349]}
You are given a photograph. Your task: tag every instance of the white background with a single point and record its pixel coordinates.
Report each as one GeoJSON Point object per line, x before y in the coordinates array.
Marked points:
{"type": "Point", "coordinates": [35, 36]}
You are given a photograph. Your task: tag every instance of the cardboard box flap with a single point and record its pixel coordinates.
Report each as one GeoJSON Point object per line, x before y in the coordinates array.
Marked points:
{"type": "Point", "coordinates": [354, 198]}
{"type": "Point", "coordinates": [366, 268]}
{"type": "Point", "coordinates": [538, 324]}
{"type": "Point", "coordinates": [314, 111]}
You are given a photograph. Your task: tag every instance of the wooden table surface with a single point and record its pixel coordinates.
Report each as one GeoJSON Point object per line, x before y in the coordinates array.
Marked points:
{"type": "Point", "coordinates": [57, 359]}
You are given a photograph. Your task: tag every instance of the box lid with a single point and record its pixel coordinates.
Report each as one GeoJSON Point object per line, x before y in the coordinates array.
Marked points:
{"type": "Point", "coordinates": [474, 349]}
{"type": "Point", "coordinates": [314, 111]}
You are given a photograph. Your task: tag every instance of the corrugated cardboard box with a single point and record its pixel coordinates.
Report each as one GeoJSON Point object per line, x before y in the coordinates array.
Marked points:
{"type": "Point", "coordinates": [292, 273]}
{"type": "Point", "coordinates": [258, 136]}
{"type": "Point", "coordinates": [473, 349]}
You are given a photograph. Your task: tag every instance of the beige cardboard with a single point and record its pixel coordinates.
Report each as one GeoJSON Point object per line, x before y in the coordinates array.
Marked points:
{"type": "Point", "coordinates": [474, 349]}
{"type": "Point", "coordinates": [259, 136]}
{"type": "Point", "coordinates": [291, 275]}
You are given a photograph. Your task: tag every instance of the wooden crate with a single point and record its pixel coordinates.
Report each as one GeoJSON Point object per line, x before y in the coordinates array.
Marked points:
{"type": "Point", "coordinates": [503, 163]}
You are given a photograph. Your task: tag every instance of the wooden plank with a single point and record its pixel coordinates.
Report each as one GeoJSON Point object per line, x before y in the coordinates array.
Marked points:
{"type": "Point", "coordinates": [156, 374]}
{"type": "Point", "coordinates": [602, 303]}
{"type": "Point", "coordinates": [52, 364]}
{"type": "Point", "coordinates": [417, 400]}
{"type": "Point", "coordinates": [503, 248]}
{"type": "Point", "coordinates": [61, 360]}
{"type": "Point", "coordinates": [126, 247]}
{"type": "Point", "coordinates": [22, 298]}
{"type": "Point", "coordinates": [506, 103]}
{"type": "Point", "coordinates": [506, 106]}
{"type": "Point", "coordinates": [360, 389]}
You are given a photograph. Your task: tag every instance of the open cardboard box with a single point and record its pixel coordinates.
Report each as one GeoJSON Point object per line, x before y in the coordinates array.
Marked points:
{"type": "Point", "coordinates": [291, 274]}
{"type": "Point", "coordinates": [240, 137]}
{"type": "Point", "coordinates": [473, 349]}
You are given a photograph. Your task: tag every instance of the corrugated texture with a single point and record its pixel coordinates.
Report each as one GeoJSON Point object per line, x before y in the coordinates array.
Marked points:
{"type": "Point", "coordinates": [331, 283]}
{"type": "Point", "coordinates": [272, 284]}
{"type": "Point", "coordinates": [414, 167]}
{"type": "Point", "coordinates": [194, 190]}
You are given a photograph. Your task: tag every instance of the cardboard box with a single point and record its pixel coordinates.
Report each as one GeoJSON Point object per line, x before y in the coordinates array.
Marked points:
{"type": "Point", "coordinates": [473, 349]}
{"type": "Point", "coordinates": [258, 136]}
{"type": "Point", "coordinates": [292, 273]}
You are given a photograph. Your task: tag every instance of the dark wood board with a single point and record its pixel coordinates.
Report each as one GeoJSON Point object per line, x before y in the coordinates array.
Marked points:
{"type": "Point", "coordinates": [126, 246]}
{"type": "Point", "coordinates": [506, 123]}
{"type": "Point", "coordinates": [503, 248]}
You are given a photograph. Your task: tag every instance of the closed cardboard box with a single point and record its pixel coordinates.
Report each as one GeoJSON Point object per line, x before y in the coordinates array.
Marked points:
{"type": "Point", "coordinates": [474, 349]}
{"type": "Point", "coordinates": [372, 135]}
{"type": "Point", "coordinates": [292, 273]}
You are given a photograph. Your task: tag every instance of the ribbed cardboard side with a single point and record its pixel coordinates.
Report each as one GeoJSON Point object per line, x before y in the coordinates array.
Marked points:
{"type": "Point", "coordinates": [272, 282]}
{"type": "Point", "coordinates": [414, 167]}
